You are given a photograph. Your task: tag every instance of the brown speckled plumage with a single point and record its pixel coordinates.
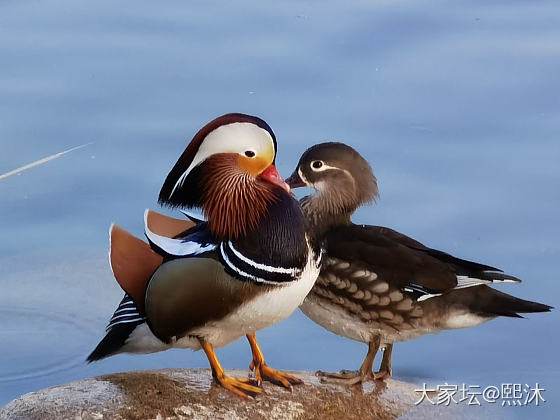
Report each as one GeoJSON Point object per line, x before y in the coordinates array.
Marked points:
{"type": "Point", "coordinates": [377, 285]}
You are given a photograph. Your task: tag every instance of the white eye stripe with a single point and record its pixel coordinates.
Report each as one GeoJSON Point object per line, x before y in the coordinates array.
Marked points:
{"type": "Point", "coordinates": [320, 185]}
{"type": "Point", "coordinates": [325, 167]}
{"type": "Point", "coordinates": [240, 137]}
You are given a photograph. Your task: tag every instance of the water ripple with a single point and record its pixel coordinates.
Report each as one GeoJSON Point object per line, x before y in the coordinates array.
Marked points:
{"type": "Point", "coordinates": [44, 343]}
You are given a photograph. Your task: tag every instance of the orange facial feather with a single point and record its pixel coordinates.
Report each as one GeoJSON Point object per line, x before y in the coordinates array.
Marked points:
{"type": "Point", "coordinates": [234, 201]}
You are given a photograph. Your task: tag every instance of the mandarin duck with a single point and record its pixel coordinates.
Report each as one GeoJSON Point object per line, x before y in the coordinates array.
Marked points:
{"type": "Point", "coordinates": [376, 285]}
{"type": "Point", "coordinates": [204, 283]}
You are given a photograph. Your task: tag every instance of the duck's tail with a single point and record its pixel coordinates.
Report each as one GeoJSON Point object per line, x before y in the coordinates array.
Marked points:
{"type": "Point", "coordinates": [502, 304]}
{"type": "Point", "coordinates": [489, 302]}
{"type": "Point", "coordinates": [121, 326]}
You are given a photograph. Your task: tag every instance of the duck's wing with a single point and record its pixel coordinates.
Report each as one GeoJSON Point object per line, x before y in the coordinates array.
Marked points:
{"type": "Point", "coordinates": [403, 263]}
{"type": "Point", "coordinates": [166, 226]}
{"type": "Point", "coordinates": [124, 321]}
{"type": "Point", "coordinates": [176, 238]}
{"type": "Point", "coordinates": [133, 262]}
{"type": "Point", "coordinates": [189, 293]}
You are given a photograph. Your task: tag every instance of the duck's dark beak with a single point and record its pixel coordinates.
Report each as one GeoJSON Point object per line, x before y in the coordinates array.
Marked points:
{"type": "Point", "coordinates": [295, 181]}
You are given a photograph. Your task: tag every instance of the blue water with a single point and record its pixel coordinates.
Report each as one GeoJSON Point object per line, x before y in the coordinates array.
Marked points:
{"type": "Point", "coordinates": [455, 104]}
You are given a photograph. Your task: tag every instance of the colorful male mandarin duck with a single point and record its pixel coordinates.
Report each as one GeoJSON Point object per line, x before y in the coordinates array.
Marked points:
{"type": "Point", "coordinates": [202, 285]}
{"type": "Point", "coordinates": [377, 285]}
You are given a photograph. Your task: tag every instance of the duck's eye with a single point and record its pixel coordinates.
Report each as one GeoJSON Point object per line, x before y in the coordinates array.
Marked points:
{"type": "Point", "coordinates": [316, 164]}
{"type": "Point", "coordinates": [250, 153]}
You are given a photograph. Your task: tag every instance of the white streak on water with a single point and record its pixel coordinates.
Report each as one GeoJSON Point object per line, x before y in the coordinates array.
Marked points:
{"type": "Point", "coordinates": [41, 161]}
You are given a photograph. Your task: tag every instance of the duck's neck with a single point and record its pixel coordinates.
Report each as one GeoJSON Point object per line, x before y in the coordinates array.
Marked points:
{"type": "Point", "coordinates": [321, 215]}
{"type": "Point", "coordinates": [280, 239]}
{"type": "Point", "coordinates": [234, 202]}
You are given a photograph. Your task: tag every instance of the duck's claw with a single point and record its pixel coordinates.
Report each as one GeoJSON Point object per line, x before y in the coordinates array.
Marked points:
{"type": "Point", "coordinates": [383, 375]}
{"type": "Point", "coordinates": [345, 377]}
{"type": "Point", "coordinates": [240, 387]}
{"type": "Point", "coordinates": [263, 372]}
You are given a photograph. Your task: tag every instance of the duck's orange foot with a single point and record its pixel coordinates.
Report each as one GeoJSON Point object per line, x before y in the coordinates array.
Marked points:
{"type": "Point", "coordinates": [263, 372]}
{"type": "Point", "coordinates": [241, 387]}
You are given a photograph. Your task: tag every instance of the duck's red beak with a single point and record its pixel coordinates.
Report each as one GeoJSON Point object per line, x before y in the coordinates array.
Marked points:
{"type": "Point", "coordinates": [271, 175]}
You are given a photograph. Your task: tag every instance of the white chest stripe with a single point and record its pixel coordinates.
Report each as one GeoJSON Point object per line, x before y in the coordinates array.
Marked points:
{"type": "Point", "coordinates": [243, 273]}
{"type": "Point", "coordinates": [263, 267]}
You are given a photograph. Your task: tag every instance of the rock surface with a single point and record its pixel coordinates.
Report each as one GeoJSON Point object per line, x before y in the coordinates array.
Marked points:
{"type": "Point", "coordinates": [191, 394]}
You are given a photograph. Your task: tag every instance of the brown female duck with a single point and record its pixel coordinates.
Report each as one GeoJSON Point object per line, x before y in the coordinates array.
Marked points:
{"type": "Point", "coordinates": [377, 285]}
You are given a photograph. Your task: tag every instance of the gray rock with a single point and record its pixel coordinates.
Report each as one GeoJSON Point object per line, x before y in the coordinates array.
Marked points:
{"type": "Point", "coordinates": [191, 394]}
